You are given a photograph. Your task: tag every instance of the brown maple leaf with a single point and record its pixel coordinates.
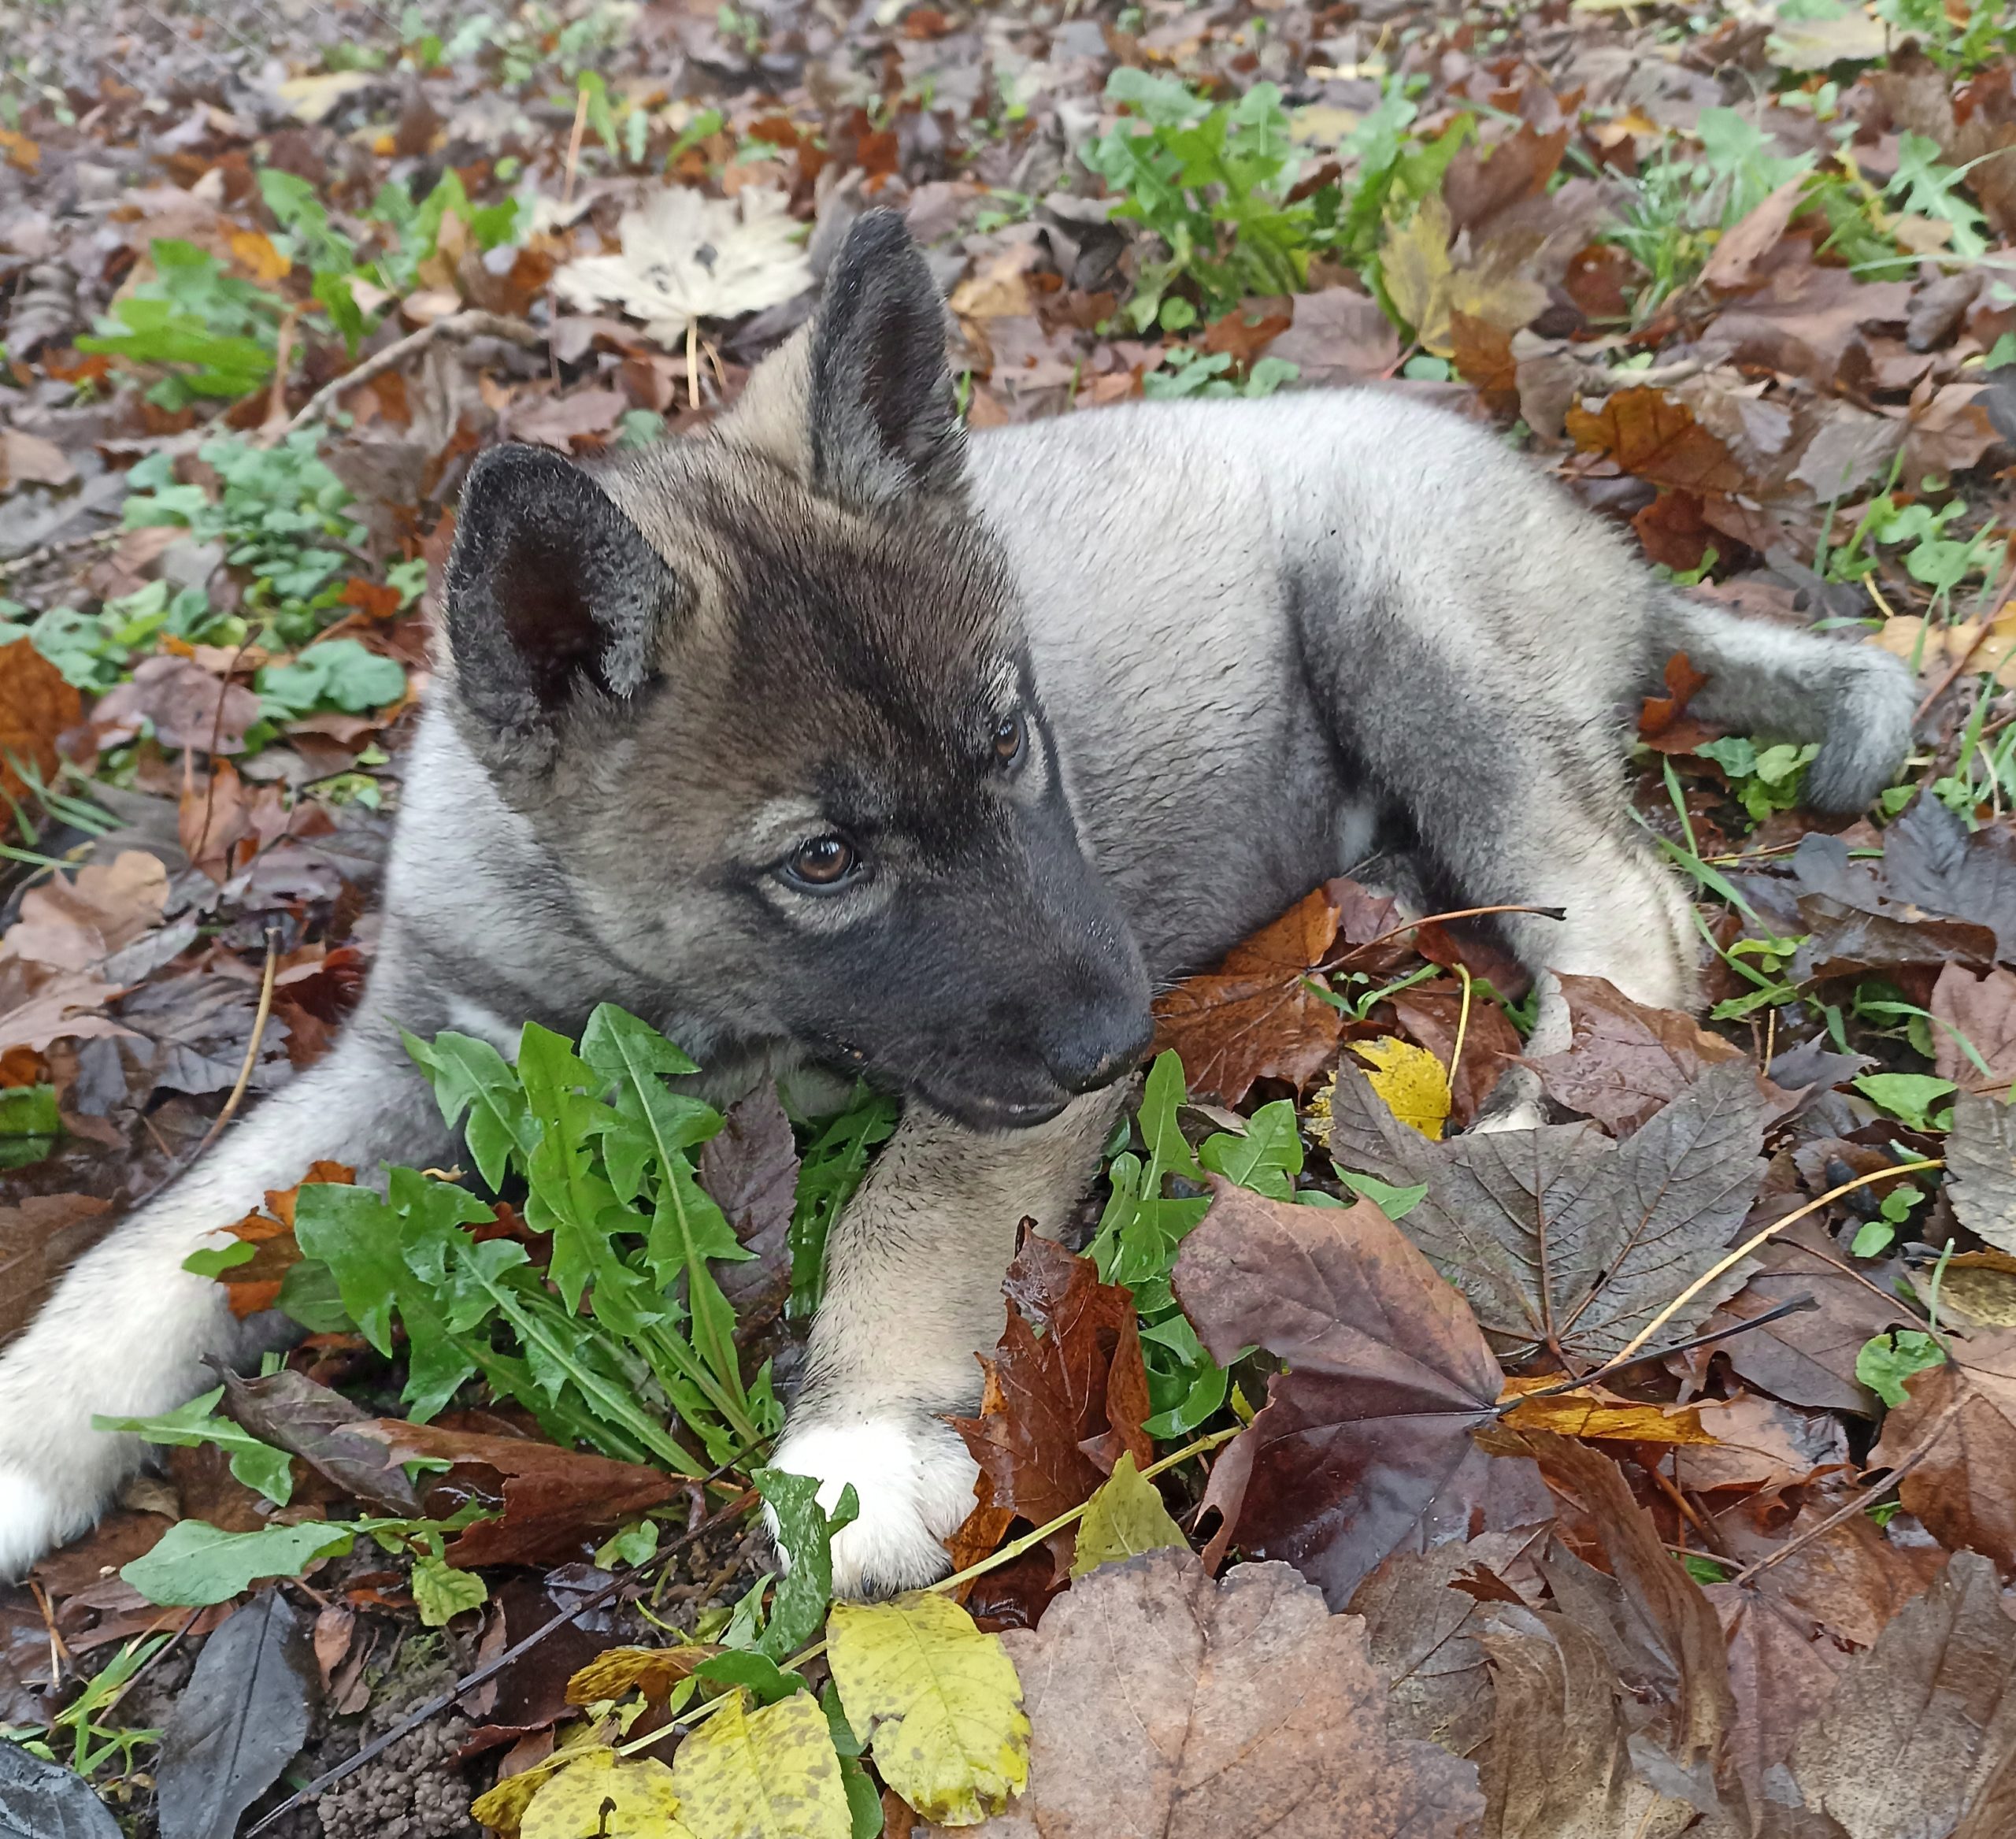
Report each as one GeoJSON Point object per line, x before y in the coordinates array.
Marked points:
{"type": "Point", "coordinates": [1059, 1405]}
{"type": "Point", "coordinates": [1654, 436]}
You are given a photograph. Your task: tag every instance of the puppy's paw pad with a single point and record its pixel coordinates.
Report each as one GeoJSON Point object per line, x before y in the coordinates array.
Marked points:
{"type": "Point", "coordinates": [914, 1480]}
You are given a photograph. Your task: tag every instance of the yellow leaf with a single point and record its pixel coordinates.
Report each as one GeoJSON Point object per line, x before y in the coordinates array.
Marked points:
{"type": "Point", "coordinates": [1494, 286]}
{"type": "Point", "coordinates": [603, 1796]}
{"type": "Point", "coordinates": [654, 1671]}
{"type": "Point", "coordinates": [939, 1701]}
{"type": "Point", "coordinates": [1590, 1411]}
{"type": "Point", "coordinates": [309, 98]}
{"type": "Point", "coordinates": [21, 151]}
{"type": "Point", "coordinates": [1932, 648]}
{"type": "Point", "coordinates": [767, 1775]}
{"type": "Point", "coordinates": [1123, 1519]}
{"type": "Point", "coordinates": [1414, 266]}
{"type": "Point", "coordinates": [1413, 1083]}
{"type": "Point", "coordinates": [256, 254]}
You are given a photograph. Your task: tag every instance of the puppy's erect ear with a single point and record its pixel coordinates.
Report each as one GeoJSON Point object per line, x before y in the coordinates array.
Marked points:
{"type": "Point", "coordinates": [883, 423]}
{"type": "Point", "coordinates": [553, 593]}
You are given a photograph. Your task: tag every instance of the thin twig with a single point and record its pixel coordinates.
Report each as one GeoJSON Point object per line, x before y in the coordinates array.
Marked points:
{"type": "Point", "coordinates": [1463, 1028]}
{"type": "Point", "coordinates": [510, 1656]}
{"type": "Point", "coordinates": [470, 322]}
{"type": "Point", "coordinates": [1434, 919]}
{"type": "Point", "coordinates": [252, 1047]}
{"type": "Point", "coordinates": [1862, 1505]}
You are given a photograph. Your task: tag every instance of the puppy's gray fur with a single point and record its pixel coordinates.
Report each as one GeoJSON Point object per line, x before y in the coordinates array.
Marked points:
{"type": "Point", "coordinates": [1249, 645]}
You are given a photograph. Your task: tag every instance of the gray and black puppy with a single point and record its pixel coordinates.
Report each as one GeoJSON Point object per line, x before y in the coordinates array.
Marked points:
{"type": "Point", "coordinates": [833, 739]}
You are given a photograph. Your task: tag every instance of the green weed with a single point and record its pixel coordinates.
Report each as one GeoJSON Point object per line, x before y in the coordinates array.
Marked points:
{"type": "Point", "coordinates": [215, 334]}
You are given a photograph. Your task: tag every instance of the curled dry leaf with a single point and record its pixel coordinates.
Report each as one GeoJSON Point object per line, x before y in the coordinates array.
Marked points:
{"type": "Point", "coordinates": [1364, 1446]}
{"type": "Point", "coordinates": [1934, 1701]}
{"type": "Point", "coordinates": [553, 1498]}
{"type": "Point", "coordinates": [291, 1412]}
{"type": "Point", "coordinates": [1163, 1703]}
{"type": "Point", "coordinates": [1559, 1237]}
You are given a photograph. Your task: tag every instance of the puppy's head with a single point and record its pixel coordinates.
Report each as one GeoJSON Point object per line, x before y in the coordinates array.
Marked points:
{"type": "Point", "coordinates": [765, 695]}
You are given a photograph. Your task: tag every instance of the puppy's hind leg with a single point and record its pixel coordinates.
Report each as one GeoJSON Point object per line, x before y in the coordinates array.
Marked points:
{"type": "Point", "coordinates": [126, 1332]}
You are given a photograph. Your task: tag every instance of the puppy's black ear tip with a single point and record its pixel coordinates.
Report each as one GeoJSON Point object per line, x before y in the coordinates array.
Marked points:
{"type": "Point", "coordinates": [878, 235]}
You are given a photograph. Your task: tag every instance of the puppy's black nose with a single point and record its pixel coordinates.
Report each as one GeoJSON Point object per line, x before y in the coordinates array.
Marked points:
{"type": "Point", "coordinates": [1098, 1049]}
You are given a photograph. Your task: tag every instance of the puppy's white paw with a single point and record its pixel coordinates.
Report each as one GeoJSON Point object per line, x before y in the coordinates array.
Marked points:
{"type": "Point", "coordinates": [32, 1521]}
{"type": "Point", "coordinates": [914, 1479]}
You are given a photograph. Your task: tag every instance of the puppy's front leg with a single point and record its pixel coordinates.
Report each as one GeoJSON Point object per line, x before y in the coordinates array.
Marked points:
{"type": "Point", "coordinates": [913, 1273]}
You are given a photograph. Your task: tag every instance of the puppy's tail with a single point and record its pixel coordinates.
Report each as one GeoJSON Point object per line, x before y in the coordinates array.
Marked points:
{"type": "Point", "coordinates": [1775, 680]}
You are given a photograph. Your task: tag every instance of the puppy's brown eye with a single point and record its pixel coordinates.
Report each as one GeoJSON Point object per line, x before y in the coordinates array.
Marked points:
{"type": "Point", "coordinates": [825, 861]}
{"type": "Point", "coordinates": [1009, 740]}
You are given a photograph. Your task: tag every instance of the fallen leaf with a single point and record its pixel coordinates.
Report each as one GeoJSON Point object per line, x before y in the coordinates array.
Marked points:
{"type": "Point", "coordinates": [559, 422]}
{"type": "Point", "coordinates": [28, 459]}
{"type": "Point", "coordinates": [1932, 860]}
{"type": "Point", "coordinates": [1560, 1237]}
{"type": "Point", "coordinates": [1432, 1015]}
{"type": "Point", "coordinates": [1981, 1011]}
{"type": "Point", "coordinates": [1980, 1159]}
{"type": "Point", "coordinates": [653, 1671]}
{"type": "Point", "coordinates": [1125, 1518]}
{"type": "Point", "coordinates": [1057, 1410]}
{"type": "Point", "coordinates": [688, 257]}
{"type": "Point", "coordinates": [1625, 1061]}
{"type": "Point", "coordinates": [1964, 1489]}
{"type": "Point", "coordinates": [1162, 1703]}
{"type": "Point", "coordinates": [553, 1497]}
{"type": "Point", "coordinates": [1337, 334]}
{"type": "Point", "coordinates": [240, 1720]}
{"type": "Point", "coordinates": [1364, 1446]}
{"type": "Point", "coordinates": [1783, 1667]}
{"type": "Point", "coordinates": [36, 705]}
{"type": "Point", "coordinates": [75, 923]}
{"type": "Point", "coordinates": [1590, 1411]}
{"type": "Point", "coordinates": [1255, 1016]}
{"type": "Point", "coordinates": [939, 1703]}
{"type": "Point", "coordinates": [41, 1800]}
{"type": "Point", "coordinates": [188, 706]}
{"type": "Point", "coordinates": [600, 1795]}
{"type": "Point", "coordinates": [1931, 1704]}
{"type": "Point", "coordinates": [290, 1411]}
{"type": "Point", "coordinates": [1655, 436]}
{"type": "Point", "coordinates": [311, 98]}
{"type": "Point", "coordinates": [1807, 1359]}
{"type": "Point", "coordinates": [1414, 268]}
{"type": "Point", "coordinates": [1737, 251]}
{"type": "Point", "coordinates": [1413, 1083]}
{"type": "Point", "coordinates": [1748, 1442]}
{"type": "Point", "coordinates": [749, 1165]}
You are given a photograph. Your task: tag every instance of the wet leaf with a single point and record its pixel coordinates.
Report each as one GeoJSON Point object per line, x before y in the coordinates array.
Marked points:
{"type": "Point", "coordinates": [291, 1411]}
{"type": "Point", "coordinates": [1614, 1230]}
{"type": "Point", "coordinates": [1365, 1443]}
{"type": "Point", "coordinates": [240, 1721]}
{"type": "Point", "coordinates": [1625, 1061]}
{"type": "Point", "coordinates": [41, 1800]}
{"type": "Point", "coordinates": [937, 1701]}
{"type": "Point", "coordinates": [1413, 1083]}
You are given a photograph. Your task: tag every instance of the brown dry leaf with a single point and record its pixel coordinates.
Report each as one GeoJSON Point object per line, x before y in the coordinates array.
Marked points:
{"type": "Point", "coordinates": [1590, 1411]}
{"type": "Point", "coordinates": [1661, 1631]}
{"type": "Point", "coordinates": [1625, 1061]}
{"type": "Point", "coordinates": [559, 422]}
{"type": "Point", "coordinates": [1364, 1446]}
{"type": "Point", "coordinates": [1981, 1157]}
{"type": "Point", "coordinates": [291, 1412]}
{"type": "Point", "coordinates": [40, 1239]}
{"type": "Point", "coordinates": [1748, 1442]}
{"type": "Point", "coordinates": [1058, 1411]}
{"type": "Point", "coordinates": [1808, 1359]}
{"type": "Point", "coordinates": [1965, 1488]}
{"type": "Point", "coordinates": [1783, 1667]}
{"type": "Point", "coordinates": [1654, 436]}
{"type": "Point", "coordinates": [1483, 180]}
{"type": "Point", "coordinates": [553, 1497]}
{"type": "Point", "coordinates": [1001, 289]}
{"type": "Point", "coordinates": [1920, 1725]}
{"type": "Point", "coordinates": [28, 459]}
{"type": "Point", "coordinates": [1982, 1009]}
{"type": "Point", "coordinates": [1160, 1702]}
{"type": "Point", "coordinates": [36, 705]}
{"type": "Point", "coordinates": [1729, 270]}
{"type": "Point", "coordinates": [1255, 1016]}
{"type": "Point", "coordinates": [1947, 433]}
{"type": "Point", "coordinates": [1338, 335]}
{"type": "Point", "coordinates": [1932, 860]}
{"type": "Point", "coordinates": [1559, 1237]}
{"type": "Point", "coordinates": [255, 1285]}
{"type": "Point", "coordinates": [38, 1007]}
{"type": "Point", "coordinates": [653, 1671]}
{"type": "Point", "coordinates": [76, 924]}
{"type": "Point", "coordinates": [188, 706]}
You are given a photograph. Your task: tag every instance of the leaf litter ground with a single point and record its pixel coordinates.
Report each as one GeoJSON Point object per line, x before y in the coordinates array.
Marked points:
{"type": "Point", "coordinates": [1645, 1474]}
